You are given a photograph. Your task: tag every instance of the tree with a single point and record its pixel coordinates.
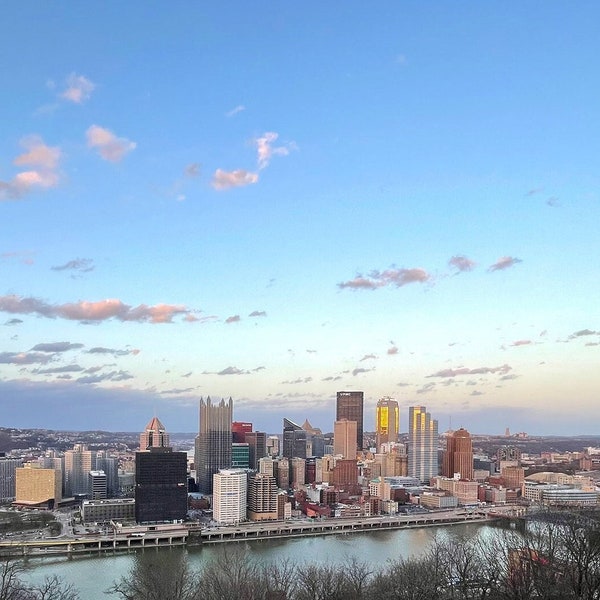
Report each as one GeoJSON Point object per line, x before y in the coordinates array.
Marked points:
{"type": "Point", "coordinates": [160, 575]}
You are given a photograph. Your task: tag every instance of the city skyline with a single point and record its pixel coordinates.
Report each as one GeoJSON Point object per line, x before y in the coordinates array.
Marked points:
{"type": "Point", "coordinates": [299, 201]}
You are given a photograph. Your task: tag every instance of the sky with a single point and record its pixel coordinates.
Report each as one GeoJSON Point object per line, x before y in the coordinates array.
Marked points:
{"type": "Point", "coordinates": [277, 201]}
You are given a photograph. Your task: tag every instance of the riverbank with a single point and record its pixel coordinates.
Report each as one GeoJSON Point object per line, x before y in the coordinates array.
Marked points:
{"type": "Point", "coordinates": [127, 540]}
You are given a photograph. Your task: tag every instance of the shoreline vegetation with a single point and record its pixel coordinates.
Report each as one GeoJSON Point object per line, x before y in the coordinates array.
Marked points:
{"type": "Point", "coordinates": [557, 556]}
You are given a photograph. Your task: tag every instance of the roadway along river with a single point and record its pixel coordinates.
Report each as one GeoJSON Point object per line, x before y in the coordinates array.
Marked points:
{"type": "Point", "coordinates": [94, 575]}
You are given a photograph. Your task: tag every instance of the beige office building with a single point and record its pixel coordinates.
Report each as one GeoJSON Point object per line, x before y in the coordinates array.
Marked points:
{"type": "Point", "coordinates": [36, 486]}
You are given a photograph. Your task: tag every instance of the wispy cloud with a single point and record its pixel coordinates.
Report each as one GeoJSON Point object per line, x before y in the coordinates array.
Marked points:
{"type": "Point", "coordinates": [192, 170]}
{"type": "Point", "coordinates": [59, 370]}
{"type": "Point", "coordinates": [83, 265]}
{"type": "Point", "coordinates": [101, 377]}
{"type": "Point", "coordinates": [258, 313]}
{"type": "Point", "coordinates": [553, 202]}
{"type": "Point", "coordinates": [359, 371]}
{"type": "Point", "coordinates": [43, 161]}
{"type": "Point", "coordinates": [297, 381]}
{"type": "Point", "coordinates": [466, 371]}
{"type": "Point", "coordinates": [109, 146]}
{"type": "Point", "coordinates": [462, 263]}
{"type": "Point", "coordinates": [389, 277]}
{"type": "Point", "coordinates": [266, 149]}
{"type": "Point", "coordinates": [233, 319]}
{"type": "Point", "coordinates": [504, 262]}
{"type": "Point", "coordinates": [583, 333]}
{"type": "Point", "coordinates": [224, 180]}
{"type": "Point", "coordinates": [234, 111]}
{"type": "Point", "coordinates": [92, 311]}
{"type": "Point", "coordinates": [24, 358]}
{"type": "Point", "coordinates": [79, 89]}
{"type": "Point", "coordinates": [232, 371]}
{"type": "Point", "coordinates": [521, 343]}
{"type": "Point", "coordinates": [56, 347]}
{"type": "Point", "coordinates": [368, 357]}
{"type": "Point", "coordinates": [112, 351]}
{"type": "Point", "coordinates": [393, 350]}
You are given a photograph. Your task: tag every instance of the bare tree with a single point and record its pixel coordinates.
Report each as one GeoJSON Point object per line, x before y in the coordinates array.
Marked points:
{"type": "Point", "coordinates": [160, 575]}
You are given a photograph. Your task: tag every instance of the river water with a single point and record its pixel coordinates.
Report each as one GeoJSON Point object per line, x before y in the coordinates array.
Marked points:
{"type": "Point", "coordinates": [93, 575]}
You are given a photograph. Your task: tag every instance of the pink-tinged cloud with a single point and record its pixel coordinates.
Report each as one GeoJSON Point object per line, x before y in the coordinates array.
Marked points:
{"type": "Point", "coordinates": [24, 358]}
{"type": "Point", "coordinates": [389, 277]}
{"type": "Point", "coordinates": [224, 180]}
{"type": "Point", "coordinates": [266, 149]}
{"type": "Point", "coordinates": [462, 263]}
{"type": "Point", "coordinates": [503, 369]}
{"type": "Point", "coordinates": [44, 161]}
{"type": "Point", "coordinates": [109, 146]}
{"type": "Point", "coordinates": [233, 319]}
{"type": "Point", "coordinates": [79, 89]}
{"type": "Point", "coordinates": [504, 263]}
{"type": "Point", "coordinates": [521, 343]}
{"type": "Point", "coordinates": [38, 154]}
{"type": "Point", "coordinates": [393, 350]}
{"type": "Point", "coordinates": [92, 311]}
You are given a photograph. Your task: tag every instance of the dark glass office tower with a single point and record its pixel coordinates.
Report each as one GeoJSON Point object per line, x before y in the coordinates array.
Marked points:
{"type": "Point", "coordinates": [350, 406]}
{"type": "Point", "coordinates": [296, 441]}
{"type": "Point", "coordinates": [160, 485]}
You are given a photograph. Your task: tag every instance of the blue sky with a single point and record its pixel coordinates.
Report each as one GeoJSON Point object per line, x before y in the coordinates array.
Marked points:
{"type": "Point", "coordinates": [276, 202]}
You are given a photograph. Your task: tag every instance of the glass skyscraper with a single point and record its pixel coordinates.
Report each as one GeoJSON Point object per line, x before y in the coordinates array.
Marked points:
{"type": "Point", "coordinates": [422, 444]}
{"type": "Point", "coordinates": [349, 405]}
{"type": "Point", "coordinates": [213, 442]}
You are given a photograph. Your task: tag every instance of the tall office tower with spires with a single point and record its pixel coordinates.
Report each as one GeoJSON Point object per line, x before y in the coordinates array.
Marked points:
{"type": "Point", "coordinates": [422, 444]}
{"type": "Point", "coordinates": [213, 442]}
{"type": "Point", "coordinates": [154, 436]}
{"type": "Point", "coordinates": [349, 405]}
{"type": "Point", "coordinates": [458, 457]}
{"type": "Point", "coordinates": [387, 421]}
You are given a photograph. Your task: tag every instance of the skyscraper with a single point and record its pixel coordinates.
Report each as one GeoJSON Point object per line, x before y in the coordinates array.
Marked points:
{"type": "Point", "coordinates": [422, 444]}
{"type": "Point", "coordinates": [296, 441]}
{"type": "Point", "coordinates": [78, 463]}
{"type": "Point", "coordinates": [349, 405]}
{"type": "Point", "coordinates": [213, 442]}
{"type": "Point", "coordinates": [160, 485]}
{"type": "Point", "coordinates": [458, 456]}
{"type": "Point", "coordinates": [387, 421]}
{"type": "Point", "coordinates": [154, 436]}
{"type": "Point", "coordinates": [160, 478]}
{"type": "Point", "coordinates": [344, 438]}
{"type": "Point", "coordinates": [230, 496]}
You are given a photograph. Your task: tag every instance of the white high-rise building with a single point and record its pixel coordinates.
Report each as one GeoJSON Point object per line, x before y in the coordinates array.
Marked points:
{"type": "Point", "coordinates": [230, 488]}
{"type": "Point", "coordinates": [78, 463]}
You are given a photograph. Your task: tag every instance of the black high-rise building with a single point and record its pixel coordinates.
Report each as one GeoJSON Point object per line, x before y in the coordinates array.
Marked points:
{"type": "Point", "coordinates": [349, 406]}
{"type": "Point", "coordinates": [160, 485]}
{"type": "Point", "coordinates": [296, 441]}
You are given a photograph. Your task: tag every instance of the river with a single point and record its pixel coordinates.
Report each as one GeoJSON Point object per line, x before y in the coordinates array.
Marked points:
{"type": "Point", "coordinates": [93, 575]}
